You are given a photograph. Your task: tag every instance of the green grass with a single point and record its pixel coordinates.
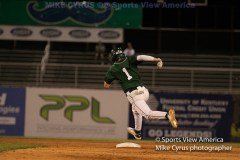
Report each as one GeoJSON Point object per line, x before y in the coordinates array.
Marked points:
{"type": "Point", "coordinates": [13, 146]}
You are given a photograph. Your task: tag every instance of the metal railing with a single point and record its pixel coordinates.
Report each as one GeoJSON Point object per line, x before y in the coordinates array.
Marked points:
{"type": "Point", "coordinates": [173, 59]}
{"type": "Point", "coordinates": [222, 80]}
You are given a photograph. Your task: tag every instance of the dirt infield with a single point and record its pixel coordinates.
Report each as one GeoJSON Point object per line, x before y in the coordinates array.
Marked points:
{"type": "Point", "coordinates": [59, 149]}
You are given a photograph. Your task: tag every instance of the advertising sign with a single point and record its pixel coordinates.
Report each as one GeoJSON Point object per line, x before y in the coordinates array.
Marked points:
{"type": "Point", "coordinates": [65, 34]}
{"type": "Point", "coordinates": [76, 113]}
{"type": "Point", "coordinates": [12, 110]}
{"type": "Point", "coordinates": [70, 13]}
{"type": "Point", "coordinates": [198, 115]}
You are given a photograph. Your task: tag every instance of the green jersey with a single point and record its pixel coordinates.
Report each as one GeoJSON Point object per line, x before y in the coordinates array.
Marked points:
{"type": "Point", "coordinates": [126, 73]}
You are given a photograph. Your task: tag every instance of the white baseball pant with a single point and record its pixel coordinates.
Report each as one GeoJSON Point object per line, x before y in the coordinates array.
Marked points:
{"type": "Point", "coordinates": [138, 99]}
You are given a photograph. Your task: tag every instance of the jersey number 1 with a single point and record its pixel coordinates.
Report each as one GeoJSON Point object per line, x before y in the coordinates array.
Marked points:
{"type": "Point", "coordinates": [127, 74]}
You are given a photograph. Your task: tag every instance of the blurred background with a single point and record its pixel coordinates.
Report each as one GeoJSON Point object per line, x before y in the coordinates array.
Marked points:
{"type": "Point", "coordinates": [66, 44]}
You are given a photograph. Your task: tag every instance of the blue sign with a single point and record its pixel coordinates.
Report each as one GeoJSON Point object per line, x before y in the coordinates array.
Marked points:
{"type": "Point", "coordinates": [12, 111]}
{"type": "Point", "coordinates": [53, 14]}
{"type": "Point", "coordinates": [198, 115]}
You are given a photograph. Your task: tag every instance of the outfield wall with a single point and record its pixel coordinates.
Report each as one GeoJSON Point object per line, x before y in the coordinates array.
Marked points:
{"type": "Point", "coordinates": [12, 111]}
{"type": "Point", "coordinates": [87, 113]}
{"type": "Point", "coordinates": [76, 113]}
{"type": "Point", "coordinates": [65, 113]}
{"type": "Point", "coordinates": [198, 115]}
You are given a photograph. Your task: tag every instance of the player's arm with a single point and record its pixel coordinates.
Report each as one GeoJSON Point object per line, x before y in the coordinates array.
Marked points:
{"type": "Point", "coordinates": [150, 59]}
{"type": "Point", "coordinates": [109, 78]}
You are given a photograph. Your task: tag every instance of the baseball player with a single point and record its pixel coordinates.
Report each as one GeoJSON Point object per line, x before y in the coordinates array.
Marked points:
{"type": "Point", "coordinates": [125, 70]}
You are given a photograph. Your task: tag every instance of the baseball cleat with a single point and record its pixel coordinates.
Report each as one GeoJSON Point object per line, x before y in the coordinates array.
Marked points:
{"type": "Point", "coordinates": [137, 134]}
{"type": "Point", "coordinates": [172, 119]}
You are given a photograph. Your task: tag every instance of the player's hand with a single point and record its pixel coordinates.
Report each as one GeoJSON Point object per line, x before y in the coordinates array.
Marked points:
{"type": "Point", "coordinates": [159, 64]}
{"type": "Point", "coordinates": [106, 85]}
{"type": "Point", "coordinates": [157, 59]}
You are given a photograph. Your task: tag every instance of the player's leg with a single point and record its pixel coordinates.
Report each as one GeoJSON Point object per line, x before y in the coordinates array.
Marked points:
{"type": "Point", "coordinates": [96, 57]}
{"type": "Point", "coordinates": [137, 119]}
{"type": "Point", "coordinates": [102, 57]}
{"type": "Point", "coordinates": [136, 132]}
{"type": "Point", "coordinates": [136, 115]}
{"type": "Point", "coordinates": [142, 108]}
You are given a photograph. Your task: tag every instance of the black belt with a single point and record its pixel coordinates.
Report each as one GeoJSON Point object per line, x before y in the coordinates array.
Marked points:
{"type": "Point", "coordinates": [132, 89]}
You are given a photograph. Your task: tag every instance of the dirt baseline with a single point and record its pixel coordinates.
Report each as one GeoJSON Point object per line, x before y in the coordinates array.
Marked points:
{"type": "Point", "coordinates": [59, 149]}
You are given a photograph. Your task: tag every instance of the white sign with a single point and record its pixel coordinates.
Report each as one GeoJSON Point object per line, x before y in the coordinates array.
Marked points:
{"type": "Point", "coordinates": [64, 34]}
{"type": "Point", "coordinates": [76, 113]}
{"type": "Point", "coordinates": [3, 98]}
{"type": "Point", "coordinates": [7, 120]}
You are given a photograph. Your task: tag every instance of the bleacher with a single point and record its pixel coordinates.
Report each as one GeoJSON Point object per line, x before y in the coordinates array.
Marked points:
{"type": "Point", "coordinates": [170, 60]}
{"type": "Point", "coordinates": [78, 69]}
